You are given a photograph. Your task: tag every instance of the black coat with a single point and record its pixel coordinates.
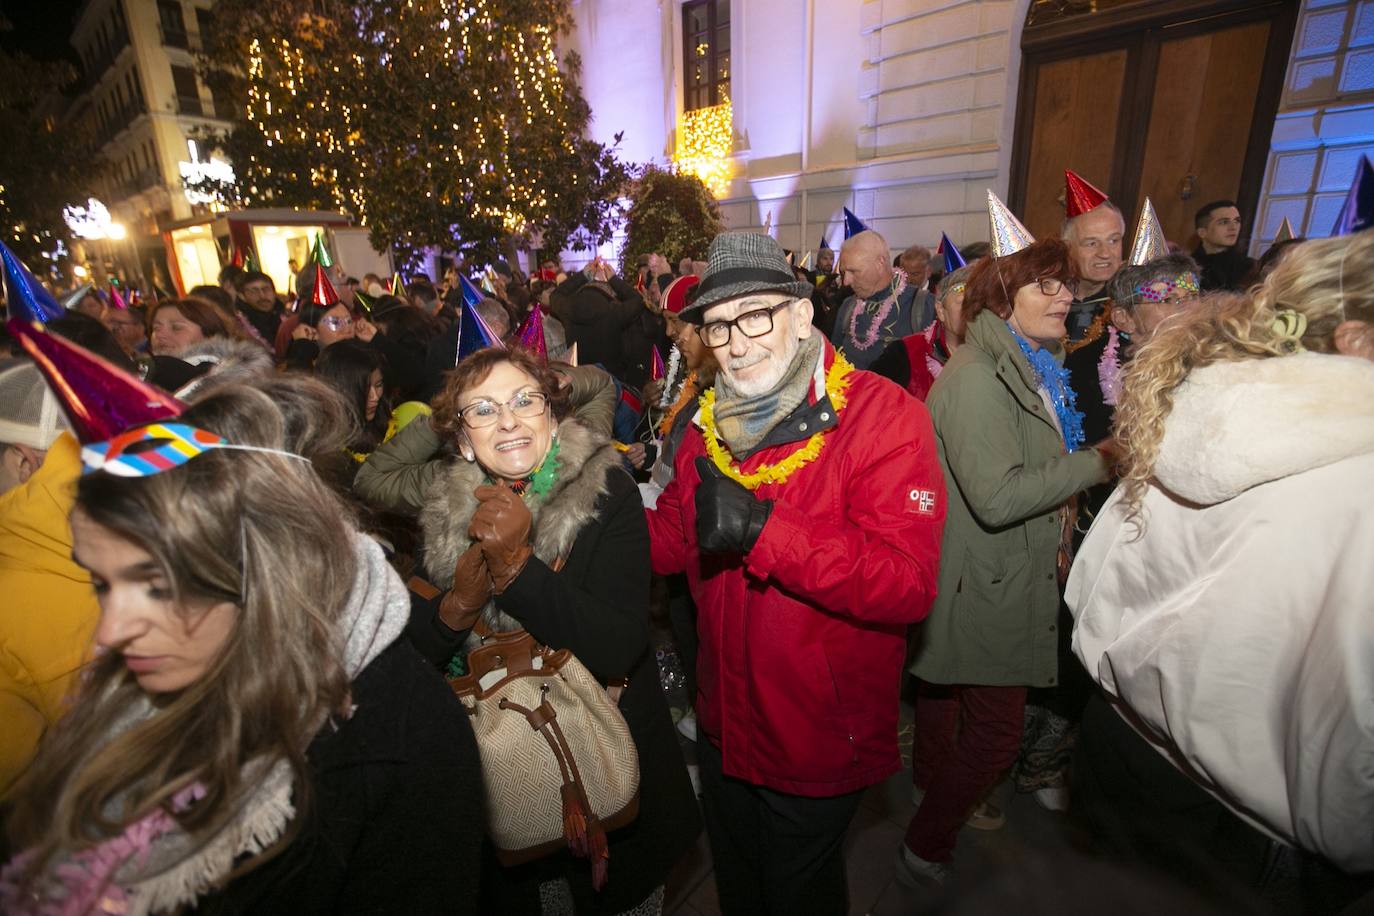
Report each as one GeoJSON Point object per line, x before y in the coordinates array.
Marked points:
{"type": "Point", "coordinates": [1225, 270]}
{"type": "Point", "coordinates": [596, 321]}
{"type": "Point", "coordinates": [598, 607]}
{"type": "Point", "coordinates": [395, 821]}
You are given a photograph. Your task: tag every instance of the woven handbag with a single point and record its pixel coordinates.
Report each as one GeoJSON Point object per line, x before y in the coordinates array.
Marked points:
{"type": "Point", "coordinates": [558, 763]}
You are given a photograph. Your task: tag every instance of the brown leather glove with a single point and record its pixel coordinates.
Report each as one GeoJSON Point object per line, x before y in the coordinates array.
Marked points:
{"type": "Point", "coordinates": [501, 527]}
{"type": "Point", "coordinates": [460, 608]}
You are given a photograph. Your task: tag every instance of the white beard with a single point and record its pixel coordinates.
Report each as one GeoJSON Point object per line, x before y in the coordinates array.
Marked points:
{"type": "Point", "coordinates": [778, 363]}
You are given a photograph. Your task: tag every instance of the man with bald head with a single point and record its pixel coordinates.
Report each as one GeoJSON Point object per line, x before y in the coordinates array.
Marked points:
{"type": "Point", "coordinates": [884, 306]}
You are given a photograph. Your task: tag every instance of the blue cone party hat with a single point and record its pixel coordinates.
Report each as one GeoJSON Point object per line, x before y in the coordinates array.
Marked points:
{"type": "Point", "coordinates": [26, 297]}
{"type": "Point", "coordinates": [953, 259]}
{"type": "Point", "coordinates": [474, 334]}
{"type": "Point", "coordinates": [1357, 213]}
{"type": "Point", "coordinates": [824, 245]}
{"type": "Point", "coordinates": [852, 224]}
{"type": "Point", "coordinates": [471, 294]}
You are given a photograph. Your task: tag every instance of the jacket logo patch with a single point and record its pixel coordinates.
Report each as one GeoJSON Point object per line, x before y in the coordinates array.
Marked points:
{"type": "Point", "coordinates": [922, 502]}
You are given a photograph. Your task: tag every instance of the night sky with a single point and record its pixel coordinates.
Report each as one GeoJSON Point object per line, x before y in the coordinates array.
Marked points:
{"type": "Point", "coordinates": [40, 27]}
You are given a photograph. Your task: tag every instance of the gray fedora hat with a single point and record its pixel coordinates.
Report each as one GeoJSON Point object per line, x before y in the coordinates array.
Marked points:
{"type": "Point", "coordinates": [739, 263]}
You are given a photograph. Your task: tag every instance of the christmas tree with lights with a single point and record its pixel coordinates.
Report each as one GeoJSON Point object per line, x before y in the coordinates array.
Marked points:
{"type": "Point", "coordinates": [438, 123]}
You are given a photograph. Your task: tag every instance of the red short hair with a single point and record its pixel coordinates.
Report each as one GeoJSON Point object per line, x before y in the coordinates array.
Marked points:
{"type": "Point", "coordinates": [994, 281]}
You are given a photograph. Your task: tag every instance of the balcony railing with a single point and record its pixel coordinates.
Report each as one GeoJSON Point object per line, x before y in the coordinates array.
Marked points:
{"type": "Point", "coordinates": [100, 63]}
{"type": "Point", "coordinates": [176, 38]}
{"type": "Point", "coordinates": [120, 119]}
{"type": "Point", "coordinates": [190, 105]}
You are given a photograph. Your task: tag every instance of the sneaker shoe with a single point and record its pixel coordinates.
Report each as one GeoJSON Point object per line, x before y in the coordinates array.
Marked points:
{"type": "Point", "coordinates": [687, 726]}
{"type": "Point", "coordinates": [1053, 798]}
{"type": "Point", "coordinates": [915, 872]}
{"type": "Point", "coordinates": [986, 816]}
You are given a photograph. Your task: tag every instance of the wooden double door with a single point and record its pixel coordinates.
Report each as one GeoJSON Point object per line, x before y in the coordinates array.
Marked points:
{"type": "Point", "coordinates": [1173, 100]}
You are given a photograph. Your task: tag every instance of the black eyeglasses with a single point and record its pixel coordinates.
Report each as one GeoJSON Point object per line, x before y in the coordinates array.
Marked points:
{"type": "Point", "coordinates": [1051, 286]}
{"type": "Point", "coordinates": [756, 323]}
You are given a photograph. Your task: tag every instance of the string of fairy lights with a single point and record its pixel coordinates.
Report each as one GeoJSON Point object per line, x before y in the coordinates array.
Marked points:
{"type": "Point", "coordinates": [705, 142]}
{"type": "Point", "coordinates": [476, 87]}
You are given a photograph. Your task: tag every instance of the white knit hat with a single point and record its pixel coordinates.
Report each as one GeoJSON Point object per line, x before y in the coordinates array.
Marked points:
{"type": "Point", "coordinates": [29, 413]}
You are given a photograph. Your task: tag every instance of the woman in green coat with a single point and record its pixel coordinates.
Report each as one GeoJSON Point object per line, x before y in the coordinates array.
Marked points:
{"type": "Point", "coordinates": [1010, 443]}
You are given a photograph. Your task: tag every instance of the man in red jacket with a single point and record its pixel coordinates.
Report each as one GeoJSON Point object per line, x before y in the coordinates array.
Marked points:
{"type": "Point", "coordinates": [806, 508]}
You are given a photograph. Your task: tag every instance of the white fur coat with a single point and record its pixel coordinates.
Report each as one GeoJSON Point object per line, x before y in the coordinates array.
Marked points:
{"type": "Point", "coordinates": [1239, 626]}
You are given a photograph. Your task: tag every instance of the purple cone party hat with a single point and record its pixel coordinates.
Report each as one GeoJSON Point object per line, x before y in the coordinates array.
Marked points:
{"type": "Point", "coordinates": [1357, 213]}
{"type": "Point", "coordinates": [319, 253]}
{"type": "Point", "coordinates": [852, 224]}
{"type": "Point", "coordinates": [656, 368]}
{"type": "Point", "coordinates": [1008, 235]}
{"type": "Point", "coordinates": [824, 245]}
{"type": "Point", "coordinates": [474, 334]}
{"type": "Point", "coordinates": [1285, 233]}
{"type": "Point", "coordinates": [116, 299]}
{"type": "Point", "coordinates": [953, 259]}
{"type": "Point", "coordinates": [1149, 237]}
{"type": "Point", "coordinates": [322, 293]}
{"type": "Point", "coordinates": [531, 332]}
{"type": "Point", "coordinates": [101, 399]}
{"type": "Point", "coordinates": [471, 294]}
{"type": "Point", "coordinates": [26, 297]}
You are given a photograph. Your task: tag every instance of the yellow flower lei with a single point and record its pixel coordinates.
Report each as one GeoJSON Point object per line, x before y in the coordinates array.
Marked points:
{"type": "Point", "coordinates": [836, 384]}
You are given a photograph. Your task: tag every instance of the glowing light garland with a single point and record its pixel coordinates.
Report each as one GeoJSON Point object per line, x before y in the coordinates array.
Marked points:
{"type": "Point", "coordinates": [706, 140]}
{"type": "Point", "coordinates": [306, 94]}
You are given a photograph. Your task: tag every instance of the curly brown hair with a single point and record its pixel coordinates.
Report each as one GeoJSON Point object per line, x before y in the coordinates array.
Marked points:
{"type": "Point", "coordinates": [474, 370]}
{"type": "Point", "coordinates": [993, 282]}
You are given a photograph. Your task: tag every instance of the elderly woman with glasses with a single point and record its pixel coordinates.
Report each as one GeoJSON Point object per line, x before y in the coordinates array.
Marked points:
{"type": "Point", "coordinates": [1011, 444]}
{"type": "Point", "coordinates": [537, 526]}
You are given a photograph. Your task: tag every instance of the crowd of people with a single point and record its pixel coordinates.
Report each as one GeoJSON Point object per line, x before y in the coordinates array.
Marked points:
{"type": "Point", "coordinates": [273, 570]}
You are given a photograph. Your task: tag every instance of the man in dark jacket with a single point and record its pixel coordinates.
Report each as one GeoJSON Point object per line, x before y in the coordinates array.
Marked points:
{"type": "Point", "coordinates": [806, 508]}
{"type": "Point", "coordinates": [1224, 266]}
{"type": "Point", "coordinates": [596, 308]}
{"type": "Point", "coordinates": [259, 304]}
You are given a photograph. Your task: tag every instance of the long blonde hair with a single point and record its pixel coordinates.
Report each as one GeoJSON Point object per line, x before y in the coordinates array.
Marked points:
{"type": "Point", "coordinates": [1325, 281]}
{"type": "Point", "coordinates": [259, 530]}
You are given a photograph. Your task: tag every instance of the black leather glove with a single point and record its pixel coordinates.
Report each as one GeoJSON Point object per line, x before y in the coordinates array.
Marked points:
{"type": "Point", "coordinates": [729, 517]}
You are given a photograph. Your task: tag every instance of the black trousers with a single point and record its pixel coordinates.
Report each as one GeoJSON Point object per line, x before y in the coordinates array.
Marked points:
{"type": "Point", "coordinates": [1140, 808]}
{"type": "Point", "coordinates": [774, 853]}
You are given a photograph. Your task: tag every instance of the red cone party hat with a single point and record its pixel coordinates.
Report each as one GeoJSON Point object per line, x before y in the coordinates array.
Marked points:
{"type": "Point", "coordinates": [322, 294]}
{"type": "Point", "coordinates": [1079, 196]}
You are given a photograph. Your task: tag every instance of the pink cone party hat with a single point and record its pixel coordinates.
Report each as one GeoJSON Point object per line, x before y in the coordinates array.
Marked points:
{"type": "Point", "coordinates": [530, 335]}
{"type": "Point", "coordinates": [100, 399]}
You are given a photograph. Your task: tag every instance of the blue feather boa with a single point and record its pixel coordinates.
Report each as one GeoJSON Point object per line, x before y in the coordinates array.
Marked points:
{"type": "Point", "coordinates": [1054, 378]}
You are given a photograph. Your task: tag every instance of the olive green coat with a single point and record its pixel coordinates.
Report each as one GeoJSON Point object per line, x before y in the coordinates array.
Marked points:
{"type": "Point", "coordinates": [994, 618]}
